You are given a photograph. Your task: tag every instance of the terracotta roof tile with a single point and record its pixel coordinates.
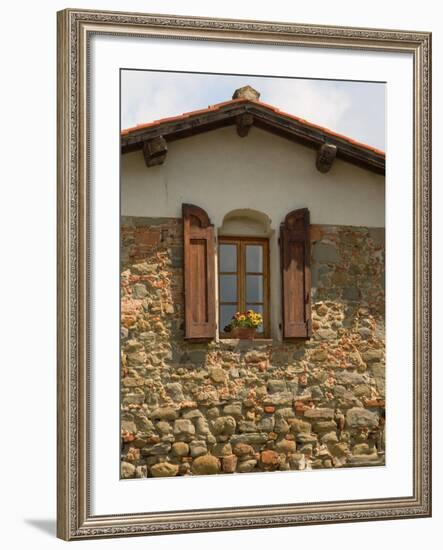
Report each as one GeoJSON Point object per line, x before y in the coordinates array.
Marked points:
{"type": "Point", "coordinates": [218, 106]}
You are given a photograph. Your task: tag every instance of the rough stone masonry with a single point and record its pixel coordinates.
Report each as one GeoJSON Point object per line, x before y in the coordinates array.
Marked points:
{"type": "Point", "coordinates": [231, 406]}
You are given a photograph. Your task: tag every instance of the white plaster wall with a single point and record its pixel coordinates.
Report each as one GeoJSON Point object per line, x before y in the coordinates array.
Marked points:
{"type": "Point", "coordinates": [220, 172]}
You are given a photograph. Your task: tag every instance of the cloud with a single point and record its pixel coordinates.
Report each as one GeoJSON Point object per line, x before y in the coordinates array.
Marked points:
{"type": "Point", "coordinates": [355, 109]}
{"type": "Point", "coordinates": [314, 101]}
{"type": "Point", "coordinates": [148, 96]}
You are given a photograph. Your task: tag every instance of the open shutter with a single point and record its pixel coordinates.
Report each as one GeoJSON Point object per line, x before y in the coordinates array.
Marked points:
{"type": "Point", "coordinates": [199, 273]}
{"type": "Point", "coordinates": [295, 256]}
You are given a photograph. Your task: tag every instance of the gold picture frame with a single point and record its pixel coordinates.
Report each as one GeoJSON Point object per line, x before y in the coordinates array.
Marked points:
{"type": "Point", "coordinates": [75, 28]}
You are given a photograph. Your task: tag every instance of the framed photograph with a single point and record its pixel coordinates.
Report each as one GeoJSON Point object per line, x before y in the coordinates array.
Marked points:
{"type": "Point", "coordinates": [243, 274]}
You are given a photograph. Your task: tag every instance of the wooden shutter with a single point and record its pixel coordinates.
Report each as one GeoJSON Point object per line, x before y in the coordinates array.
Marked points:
{"type": "Point", "coordinates": [199, 273]}
{"type": "Point", "coordinates": [295, 256]}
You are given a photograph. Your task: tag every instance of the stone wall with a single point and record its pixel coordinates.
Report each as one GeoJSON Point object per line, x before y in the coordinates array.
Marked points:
{"type": "Point", "coordinates": [230, 406]}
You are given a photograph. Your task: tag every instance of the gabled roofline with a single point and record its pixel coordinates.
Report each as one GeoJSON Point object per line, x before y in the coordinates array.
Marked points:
{"type": "Point", "coordinates": [264, 116]}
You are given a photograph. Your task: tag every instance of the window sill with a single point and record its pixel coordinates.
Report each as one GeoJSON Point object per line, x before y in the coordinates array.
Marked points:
{"type": "Point", "coordinates": [246, 344]}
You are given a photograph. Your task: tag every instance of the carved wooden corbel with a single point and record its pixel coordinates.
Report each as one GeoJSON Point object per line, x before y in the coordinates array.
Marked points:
{"type": "Point", "coordinates": [155, 151]}
{"type": "Point", "coordinates": [325, 157]}
{"type": "Point", "coordinates": [244, 123]}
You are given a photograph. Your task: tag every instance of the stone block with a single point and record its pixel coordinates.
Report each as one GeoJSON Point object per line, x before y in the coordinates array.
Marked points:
{"type": "Point", "coordinates": [372, 355]}
{"type": "Point", "coordinates": [325, 253]}
{"type": "Point", "coordinates": [269, 460]}
{"type": "Point", "coordinates": [349, 378]}
{"type": "Point", "coordinates": [197, 357]}
{"type": "Point", "coordinates": [222, 449]}
{"type": "Point", "coordinates": [198, 448]}
{"type": "Point", "coordinates": [247, 426]}
{"type": "Point", "coordinates": [351, 293]}
{"type": "Point", "coordinates": [233, 409]}
{"type": "Point", "coordinates": [277, 386]}
{"type": "Point", "coordinates": [243, 449]}
{"type": "Point", "coordinates": [217, 375]}
{"type": "Point", "coordinates": [325, 334]}
{"type": "Point", "coordinates": [229, 464]}
{"type": "Point", "coordinates": [362, 390]}
{"type": "Point", "coordinates": [362, 449]}
{"type": "Point", "coordinates": [128, 426]}
{"type": "Point", "coordinates": [279, 399]}
{"type": "Point", "coordinates": [365, 333]}
{"type": "Point", "coordinates": [250, 438]}
{"type": "Point", "coordinates": [158, 449]}
{"type": "Point", "coordinates": [127, 470]}
{"type": "Point", "coordinates": [358, 417]}
{"type": "Point", "coordinates": [183, 428]}
{"type": "Point", "coordinates": [164, 469]}
{"type": "Point", "coordinates": [266, 424]}
{"type": "Point", "coordinates": [246, 465]}
{"type": "Point", "coordinates": [180, 448]}
{"type": "Point", "coordinates": [339, 449]}
{"type": "Point", "coordinates": [223, 425]}
{"type": "Point", "coordinates": [285, 412]}
{"type": "Point", "coordinates": [306, 438]}
{"type": "Point", "coordinates": [141, 471]}
{"type": "Point", "coordinates": [298, 425]}
{"type": "Point", "coordinates": [321, 414]}
{"type": "Point", "coordinates": [325, 426]}
{"type": "Point", "coordinates": [164, 413]}
{"type": "Point", "coordinates": [329, 437]}
{"type": "Point", "coordinates": [175, 391]}
{"type": "Point", "coordinates": [139, 291]}
{"type": "Point", "coordinates": [206, 465]}
{"type": "Point", "coordinates": [377, 235]}
{"type": "Point", "coordinates": [285, 446]}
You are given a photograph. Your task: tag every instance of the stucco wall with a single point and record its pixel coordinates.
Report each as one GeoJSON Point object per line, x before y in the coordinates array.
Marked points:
{"type": "Point", "coordinates": [221, 172]}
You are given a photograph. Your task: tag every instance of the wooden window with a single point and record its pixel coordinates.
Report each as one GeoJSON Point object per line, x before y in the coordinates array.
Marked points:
{"type": "Point", "coordinates": [243, 282]}
{"type": "Point", "coordinates": [295, 255]}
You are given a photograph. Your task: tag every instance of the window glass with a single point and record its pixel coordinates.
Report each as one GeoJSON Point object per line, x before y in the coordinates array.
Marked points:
{"type": "Point", "coordinates": [254, 288]}
{"type": "Point", "coordinates": [228, 258]}
{"type": "Point", "coordinates": [254, 258]}
{"type": "Point", "coordinates": [228, 288]}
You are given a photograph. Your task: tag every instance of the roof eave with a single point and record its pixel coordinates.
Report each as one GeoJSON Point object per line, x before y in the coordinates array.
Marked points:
{"type": "Point", "coordinates": [266, 118]}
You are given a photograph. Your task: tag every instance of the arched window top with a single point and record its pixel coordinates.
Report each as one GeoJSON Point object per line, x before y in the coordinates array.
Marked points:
{"type": "Point", "coordinates": [246, 222]}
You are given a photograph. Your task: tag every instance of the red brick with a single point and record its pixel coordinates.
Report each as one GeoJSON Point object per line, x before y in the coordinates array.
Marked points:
{"type": "Point", "coordinates": [149, 237]}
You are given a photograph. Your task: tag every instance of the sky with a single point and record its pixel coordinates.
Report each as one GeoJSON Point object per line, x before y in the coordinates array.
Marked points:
{"type": "Point", "coordinates": [355, 109]}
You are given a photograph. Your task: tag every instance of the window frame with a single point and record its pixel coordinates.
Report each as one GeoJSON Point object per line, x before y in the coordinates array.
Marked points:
{"type": "Point", "coordinates": [241, 242]}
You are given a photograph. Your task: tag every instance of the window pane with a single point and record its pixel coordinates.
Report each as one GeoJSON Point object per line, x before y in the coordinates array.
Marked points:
{"type": "Point", "coordinates": [257, 309]}
{"type": "Point", "coordinates": [226, 314]}
{"type": "Point", "coordinates": [254, 258]}
{"type": "Point", "coordinates": [228, 288]}
{"type": "Point", "coordinates": [228, 257]}
{"type": "Point", "coordinates": [254, 288]}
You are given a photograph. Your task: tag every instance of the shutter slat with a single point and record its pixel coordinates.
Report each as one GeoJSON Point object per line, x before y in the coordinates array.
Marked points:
{"type": "Point", "coordinates": [295, 256]}
{"type": "Point", "coordinates": [199, 273]}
